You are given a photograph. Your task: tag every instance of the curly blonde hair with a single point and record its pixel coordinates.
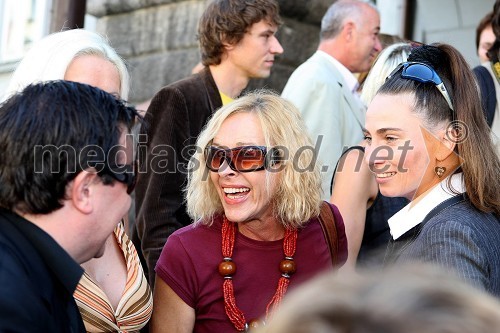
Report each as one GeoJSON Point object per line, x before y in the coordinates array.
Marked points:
{"type": "Point", "coordinates": [298, 195]}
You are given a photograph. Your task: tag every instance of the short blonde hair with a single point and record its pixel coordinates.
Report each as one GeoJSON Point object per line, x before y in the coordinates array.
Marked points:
{"type": "Point", "coordinates": [388, 59]}
{"type": "Point", "coordinates": [298, 195]}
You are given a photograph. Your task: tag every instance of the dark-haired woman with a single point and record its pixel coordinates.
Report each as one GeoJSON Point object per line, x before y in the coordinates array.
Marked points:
{"type": "Point", "coordinates": [428, 141]}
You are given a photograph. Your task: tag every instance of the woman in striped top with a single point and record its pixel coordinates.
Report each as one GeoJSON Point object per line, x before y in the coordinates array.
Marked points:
{"type": "Point", "coordinates": [127, 313]}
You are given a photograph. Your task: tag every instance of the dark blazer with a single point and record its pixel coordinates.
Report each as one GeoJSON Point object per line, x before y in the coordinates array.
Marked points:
{"type": "Point", "coordinates": [37, 280]}
{"type": "Point", "coordinates": [486, 84]}
{"type": "Point", "coordinates": [175, 118]}
{"type": "Point", "coordinates": [460, 238]}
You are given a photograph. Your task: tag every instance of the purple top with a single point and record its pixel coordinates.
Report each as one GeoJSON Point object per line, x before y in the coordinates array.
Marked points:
{"type": "Point", "coordinates": [189, 265]}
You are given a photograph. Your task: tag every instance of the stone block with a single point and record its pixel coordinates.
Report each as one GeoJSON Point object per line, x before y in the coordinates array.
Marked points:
{"type": "Point", "coordinates": [149, 73]}
{"type": "Point", "coordinates": [299, 40]}
{"type": "Point", "coordinates": [276, 81]}
{"type": "Point", "coordinates": [310, 11]}
{"type": "Point", "coordinates": [101, 8]}
{"type": "Point", "coordinates": [153, 29]}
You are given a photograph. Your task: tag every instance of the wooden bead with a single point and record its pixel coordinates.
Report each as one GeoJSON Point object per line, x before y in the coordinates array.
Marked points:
{"type": "Point", "coordinates": [227, 268]}
{"type": "Point", "coordinates": [287, 266]}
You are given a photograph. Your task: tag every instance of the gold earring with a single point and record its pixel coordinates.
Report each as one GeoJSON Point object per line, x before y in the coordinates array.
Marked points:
{"type": "Point", "coordinates": [439, 171]}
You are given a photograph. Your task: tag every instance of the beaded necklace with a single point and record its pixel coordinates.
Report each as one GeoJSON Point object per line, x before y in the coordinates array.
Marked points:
{"type": "Point", "coordinates": [227, 268]}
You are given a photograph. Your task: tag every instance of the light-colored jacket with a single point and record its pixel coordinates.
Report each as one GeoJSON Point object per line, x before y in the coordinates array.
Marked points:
{"type": "Point", "coordinates": [330, 110]}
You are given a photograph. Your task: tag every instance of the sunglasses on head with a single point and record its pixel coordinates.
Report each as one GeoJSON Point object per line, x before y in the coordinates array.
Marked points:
{"type": "Point", "coordinates": [240, 159]}
{"type": "Point", "coordinates": [424, 73]}
{"type": "Point", "coordinates": [124, 173]}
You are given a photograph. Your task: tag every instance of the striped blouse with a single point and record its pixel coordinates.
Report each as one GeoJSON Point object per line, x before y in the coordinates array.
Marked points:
{"type": "Point", "coordinates": [136, 305]}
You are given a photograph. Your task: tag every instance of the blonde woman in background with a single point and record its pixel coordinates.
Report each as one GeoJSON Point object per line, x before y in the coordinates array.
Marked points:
{"type": "Point", "coordinates": [113, 294]}
{"type": "Point", "coordinates": [387, 60]}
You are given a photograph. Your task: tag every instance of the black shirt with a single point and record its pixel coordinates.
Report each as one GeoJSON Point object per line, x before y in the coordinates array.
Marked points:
{"type": "Point", "coordinates": [37, 280]}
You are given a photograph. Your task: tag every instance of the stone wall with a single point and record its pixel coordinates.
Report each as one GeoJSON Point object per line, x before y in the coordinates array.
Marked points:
{"type": "Point", "coordinates": [158, 38]}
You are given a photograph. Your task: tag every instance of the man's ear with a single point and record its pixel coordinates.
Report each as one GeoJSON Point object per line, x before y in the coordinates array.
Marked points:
{"type": "Point", "coordinates": [227, 46]}
{"type": "Point", "coordinates": [81, 192]}
{"type": "Point", "coordinates": [348, 30]}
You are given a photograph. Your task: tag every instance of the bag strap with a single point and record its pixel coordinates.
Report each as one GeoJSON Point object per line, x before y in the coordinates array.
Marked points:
{"type": "Point", "coordinates": [327, 222]}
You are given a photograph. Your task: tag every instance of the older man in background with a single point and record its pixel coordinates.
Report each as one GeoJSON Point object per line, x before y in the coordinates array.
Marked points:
{"type": "Point", "coordinates": [324, 87]}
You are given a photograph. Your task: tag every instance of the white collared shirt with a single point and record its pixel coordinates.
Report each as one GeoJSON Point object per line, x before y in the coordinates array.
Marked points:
{"type": "Point", "coordinates": [413, 214]}
{"type": "Point", "coordinates": [349, 78]}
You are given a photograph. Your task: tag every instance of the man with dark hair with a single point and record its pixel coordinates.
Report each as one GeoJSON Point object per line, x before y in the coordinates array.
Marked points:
{"type": "Point", "coordinates": [237, 42]}
{"type": "Point", "coordinates": [65, 175]}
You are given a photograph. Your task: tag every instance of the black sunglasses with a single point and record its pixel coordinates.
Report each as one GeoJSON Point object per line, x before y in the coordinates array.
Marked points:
{"type": "Point", "coordinates": [124, 173]}
{"type": "Point", "coordinates": [424, 73]}
{"type": "Point", "coordinates": [240, 159]}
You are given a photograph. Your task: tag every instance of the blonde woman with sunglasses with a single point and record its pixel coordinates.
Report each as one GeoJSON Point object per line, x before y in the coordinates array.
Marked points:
{"type": "Point", "coordinates": [254, 192]}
